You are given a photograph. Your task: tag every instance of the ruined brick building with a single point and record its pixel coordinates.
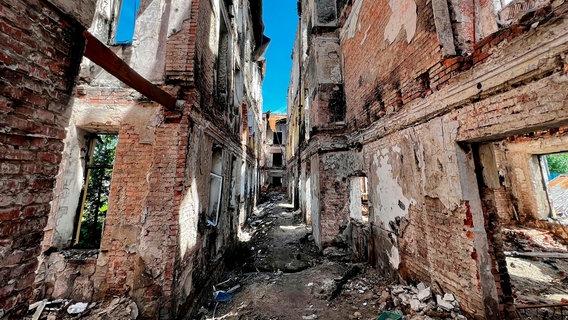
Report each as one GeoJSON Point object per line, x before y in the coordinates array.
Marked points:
{"type": "Point", "coordinates": [418, 128]}
{"type": "Point", "coordinates": [417, 131]}
{"type": "Point", "coordinates": [175, 87]}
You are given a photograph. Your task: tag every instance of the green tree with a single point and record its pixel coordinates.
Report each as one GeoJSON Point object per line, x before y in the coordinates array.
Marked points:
{"type": "Point", "coordinates": [557, 163]}
{"type": "Point", "coordinates": [98, 190]}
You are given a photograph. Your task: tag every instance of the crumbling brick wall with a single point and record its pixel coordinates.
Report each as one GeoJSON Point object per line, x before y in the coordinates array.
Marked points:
{"type": "Point", "coordinates": [39, 60]}
{"type": "Point", "coordinates": [157, 245]}
{"type": "Point", "coordinates": [382, 75]}
{"type": "Point", "coordinates": [418, 113]}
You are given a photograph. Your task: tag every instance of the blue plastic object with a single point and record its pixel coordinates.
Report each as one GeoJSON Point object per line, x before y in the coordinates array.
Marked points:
{"type": "Point", "coordinates": [222, 296]}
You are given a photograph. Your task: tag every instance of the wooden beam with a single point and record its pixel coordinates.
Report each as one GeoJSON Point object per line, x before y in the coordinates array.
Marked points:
{"type": "Point", "coordinates": [100, 54]}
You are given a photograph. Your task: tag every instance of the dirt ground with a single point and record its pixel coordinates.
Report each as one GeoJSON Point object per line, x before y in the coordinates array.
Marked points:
{"type": "Point", "coordinates": [286, 277]}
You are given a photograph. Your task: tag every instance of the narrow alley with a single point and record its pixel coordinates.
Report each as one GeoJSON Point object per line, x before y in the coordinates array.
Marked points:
{"type": "Point", "coordinates": [284, 276]}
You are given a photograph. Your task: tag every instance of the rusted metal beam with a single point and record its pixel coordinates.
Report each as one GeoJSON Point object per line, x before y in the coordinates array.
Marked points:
{"type": "Point", "coordinates": [97, 52]}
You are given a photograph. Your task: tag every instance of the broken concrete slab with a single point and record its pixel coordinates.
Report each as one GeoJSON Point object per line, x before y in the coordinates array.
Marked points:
{"type": "Point", "coordinates": [424, 294]}
{"type": "Point", "coordinates": [443, 304]}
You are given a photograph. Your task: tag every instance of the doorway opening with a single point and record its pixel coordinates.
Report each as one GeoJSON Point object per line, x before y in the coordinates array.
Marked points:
{"type": "Point", "coordinates": [521, 181]}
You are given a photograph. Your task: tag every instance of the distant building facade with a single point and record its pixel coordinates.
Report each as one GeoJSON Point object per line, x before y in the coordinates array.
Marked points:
{"type": "Point", "coordinates": [273, 162]}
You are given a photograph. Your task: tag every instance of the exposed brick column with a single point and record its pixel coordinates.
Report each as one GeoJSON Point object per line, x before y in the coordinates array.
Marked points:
{"type": "Point", "coordinates": [39, 61]}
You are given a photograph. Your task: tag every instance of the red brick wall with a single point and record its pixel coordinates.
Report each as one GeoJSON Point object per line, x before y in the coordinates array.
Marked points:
{"type": "Point", "coordinates": [38, 62]}
{"type": "Point", "coordinates": [380, 78]}
{"type": "Point", "coordinates": [139, 242]}
{"type": "Point", "coordinates": [204, 58]}
{"type": "Point", "coordinates": [334, 199]}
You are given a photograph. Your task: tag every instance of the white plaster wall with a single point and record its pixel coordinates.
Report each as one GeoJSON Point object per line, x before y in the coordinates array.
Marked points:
{"type": "Point", "coordinates": [156, 21]}
{"type": "Point", "coordinates": [72, 175]}
{"type": "Point", "coordinates": [313, 201]}
{"type": "Point", "coordinates": [355, 205]}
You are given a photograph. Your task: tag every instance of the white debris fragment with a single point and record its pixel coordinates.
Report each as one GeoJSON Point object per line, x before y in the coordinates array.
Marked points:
{"type": "Point", "coordinates": [425, 294]}
{"type": "Point", "coordinates": [77, 308]}
{"type": "Point", "coordinates": [449, 297]}
{"type": "Point", "coordinates": [443, 304]}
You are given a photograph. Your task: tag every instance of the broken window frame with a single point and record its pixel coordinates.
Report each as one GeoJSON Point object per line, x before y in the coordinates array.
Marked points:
{"type": "Point", "coordinates": [213, 208]}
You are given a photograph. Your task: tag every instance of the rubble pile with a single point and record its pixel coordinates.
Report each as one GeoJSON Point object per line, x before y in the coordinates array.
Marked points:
{"type": "Point", "coordinates": [63, 309]}
{"type": "Point", "coordinates": [420, 301]}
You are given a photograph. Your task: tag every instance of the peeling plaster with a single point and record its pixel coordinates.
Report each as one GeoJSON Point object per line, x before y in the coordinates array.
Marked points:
{"type": "Point", "coordinates": [180, 12]}
{"type": "Point", "coordinates": [388, 197]}
{"type": "Point", "coordinates": [394, 257]}
{"type": "Point", "coordinates": [188, 219]}
{"type": "Point", "coordinates": [404, 14]}
{"type": "Point", "coordinates": [353, 19]}
{"type": "Point", "coordinates": [388, 192]}
{"type": "Point", "coordinates": [145, 119]}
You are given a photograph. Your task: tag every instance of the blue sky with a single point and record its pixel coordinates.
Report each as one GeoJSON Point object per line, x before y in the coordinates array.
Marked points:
{"type": "Point", "coordinates": [280, 20]}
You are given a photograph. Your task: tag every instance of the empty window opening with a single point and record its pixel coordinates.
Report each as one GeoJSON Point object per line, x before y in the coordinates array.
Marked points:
{"type": "Point", "coordinates": [277, 138]}
{"type": "Point", "coordinates": [555, 173]}
{"type": "Point", "coordinates": [359, 199]}
{"type": "Point", "coordinates": [215, 186]}
{"type": "Point", "coordinates": [224, 63]}
{"type": "Point", "coordinates": [126, 21]}
{"type": "Point", "coordinates": [96, 190]}
{"type": "Point", "coordinates": [277, 159]}
{"type": "Point", "coordinates": [277, 182]}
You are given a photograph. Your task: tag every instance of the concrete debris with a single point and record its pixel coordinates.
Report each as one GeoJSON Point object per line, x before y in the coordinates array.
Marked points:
{"type": "Point", "coordinates": [415, 305]}
{"type": "Point", "coordinates": [443, 304]}
{"type": "Point", "coordinates": [449, 297]}
{"type": "Point", "coordinates": [419, 300]}
{"type": "Point", "coordinates": [424, 294]}
{"type": "Point", "coordinates": [77, 308]}
{"type": "Point", "coordinates": [421, 286]}
{"type": "Point", "coordinates": [330, 287]}
{"type": "Point", "coordinates": [62, 309]}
